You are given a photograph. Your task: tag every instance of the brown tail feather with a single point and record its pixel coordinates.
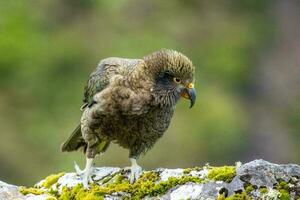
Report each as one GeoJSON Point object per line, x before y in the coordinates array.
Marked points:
{"type": "Point", "coordinates": [74, 142]}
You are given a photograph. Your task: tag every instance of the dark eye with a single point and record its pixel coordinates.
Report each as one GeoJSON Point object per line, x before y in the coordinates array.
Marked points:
{"type": "Point", "coordinates": [177, 80]}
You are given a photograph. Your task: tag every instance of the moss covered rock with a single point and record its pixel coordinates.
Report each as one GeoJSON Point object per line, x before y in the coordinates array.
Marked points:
{"type": "Point", "coordinates": [255, 180]}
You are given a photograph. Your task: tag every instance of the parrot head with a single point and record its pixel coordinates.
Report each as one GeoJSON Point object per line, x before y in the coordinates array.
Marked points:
{"type": "Point", "coordinates": [173, 77]}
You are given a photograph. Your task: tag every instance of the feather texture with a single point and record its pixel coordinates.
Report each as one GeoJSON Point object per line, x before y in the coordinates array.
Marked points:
{"type": "Point", "coordinates": [130, 102]}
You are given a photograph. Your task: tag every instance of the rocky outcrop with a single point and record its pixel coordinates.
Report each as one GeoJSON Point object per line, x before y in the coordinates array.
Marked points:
{"type": "Point", "coordinates": [258, 179]}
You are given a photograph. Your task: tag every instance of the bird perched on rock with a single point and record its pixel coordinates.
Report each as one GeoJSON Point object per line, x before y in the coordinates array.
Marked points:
{"type": "Point", "coordinates": [131, 102]}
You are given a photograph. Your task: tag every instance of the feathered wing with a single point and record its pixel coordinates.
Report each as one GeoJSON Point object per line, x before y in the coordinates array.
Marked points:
{"type": "Point", "coordinates": [98, 81]}
{"type": "Point", "coordinates": [74, 142]}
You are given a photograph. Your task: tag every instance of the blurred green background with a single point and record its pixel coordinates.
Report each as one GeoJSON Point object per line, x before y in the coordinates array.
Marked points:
{"type": "Point", "coordinates": [247, 58]}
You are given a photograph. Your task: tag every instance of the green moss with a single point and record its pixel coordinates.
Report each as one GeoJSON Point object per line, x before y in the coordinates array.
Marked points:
{"type": "Point", "coordinates": [79, 193]}
{"type": "Point", "coordinates": [53, 192]}
{"type": "Point", "coordinates": [188, 170]}
{"type": "Point", "coordinates": [49, 181]}
{"type": "Point", "coordinates": [146, 186]}
{"type": "Point", "coordinates": [119, 178]}
{"type": "Point", "coordinates": [31, 190]}
{"type": "Point", "coordinates": [38, 191]}
{"type": "Point", "coordinates": [284, 195]}
{"type": "Point", "coordinates": [263, 190]}
{"type": "Point", "coordinates": [52, 179]}
{"type": "Point", "coordinates": [284, 188]}
{"type": "Point", "coordinates": [221, 197]}
{"type": "Point", "coordinates": [149, 176]}
{"type": "Point", "coordinates": [106, 179]}
{"type": "Point", "coordinates": [245, 195]}
{"type": "Point", "coordinates": [51, 198]}
{"type": "Point", "coordinates": [283, 185]}
{"type": "Point", "coordinates": [242, 196]}
{"type": "Point", "coordinates": [249, 189]}
{"type": "Point", "coordinates": [226, 173]}
{"type": "Point", "coordinates": [149, 186]}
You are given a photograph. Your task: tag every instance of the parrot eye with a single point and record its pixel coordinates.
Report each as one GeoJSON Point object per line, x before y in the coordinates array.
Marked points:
{"type": "Point", "coordinates": [177, 80]}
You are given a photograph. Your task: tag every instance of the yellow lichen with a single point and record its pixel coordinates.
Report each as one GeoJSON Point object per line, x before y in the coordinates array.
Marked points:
{"type": "Point", "coordinates": [149, 186]}
{"type": "Point", "coordinates": [31, 190]}
{"type": "Point", "coordinates": [146, 186]}
{"type": "Point", "coordinates": [263, 190]}
{"type": "Point", "coordinates": [284, 194]}
{"type": "Point", "coordinates": [188, 170]}
{"type": "Point", "coordinates": [52, 179]}
{"type": "Point", "coordinates": [284, 188]}
{"type": "Point", "coordinates": [242, 196]}
{"type": "Point", "coordinates": [221, 197]}
{"type": "Point", "coordinates": [37, 191]}
{"type": "Point", "coordinates": [226, 173]}
{"type": "Point", "coordinates": [120, 178]}
{"type": "Point", "coordinates": [49, 181]}
{"type": "Point", "coordinates": [79, 193]}
{"type": "Point", "coordinates": [283, 185]}
{"type": "Point", "coordinates": [51, 198]}
{"type": "Point", "coordinates": [249, 189]}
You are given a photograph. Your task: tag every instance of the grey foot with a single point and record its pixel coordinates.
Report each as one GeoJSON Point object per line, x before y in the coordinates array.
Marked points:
{"type": "Point", "coordinates": [86, 175]}
{"type": "Point", "coordinates": [136, 172]}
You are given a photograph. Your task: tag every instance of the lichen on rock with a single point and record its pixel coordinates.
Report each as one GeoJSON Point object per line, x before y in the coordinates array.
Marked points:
{"type": "Point", "coordinates": [52, 179]}
{"type": "Point", "coordinates": [255, 180]}
{"type": "Point", "coordinates": [225, 173]}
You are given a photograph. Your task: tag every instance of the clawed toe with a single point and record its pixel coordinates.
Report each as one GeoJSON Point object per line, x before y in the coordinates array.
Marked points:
{"type": "Point", "coordinates": [85, 174]}
{"type": "Point", "coordinates": [77, 169]}
{"type": "Point", "coordinates": [136, 172]}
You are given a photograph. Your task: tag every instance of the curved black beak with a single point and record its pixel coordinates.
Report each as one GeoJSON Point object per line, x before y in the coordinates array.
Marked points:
{"type": "Point", "coordinates": [190, 93]}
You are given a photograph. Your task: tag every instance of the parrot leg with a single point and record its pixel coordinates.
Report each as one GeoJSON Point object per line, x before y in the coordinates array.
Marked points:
{"type": "Point", "coordinates": [86, 173]}
{"type": "Point", "coordinates": [136, 171]}
{"type": "Point", "coordinates": [91, 151]}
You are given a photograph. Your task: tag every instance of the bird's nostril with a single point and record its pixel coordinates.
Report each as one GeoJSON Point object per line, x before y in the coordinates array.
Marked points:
{"type": "Point", "coordinates": [190, 85]}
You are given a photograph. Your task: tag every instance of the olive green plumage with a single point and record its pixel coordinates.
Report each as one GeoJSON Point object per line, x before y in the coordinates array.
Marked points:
{"type": "Point", "coordinates": [131, 102]}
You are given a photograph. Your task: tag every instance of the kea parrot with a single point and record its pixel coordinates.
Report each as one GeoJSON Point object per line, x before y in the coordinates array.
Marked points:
{"type": "Point", "coordinates": [130, 102]}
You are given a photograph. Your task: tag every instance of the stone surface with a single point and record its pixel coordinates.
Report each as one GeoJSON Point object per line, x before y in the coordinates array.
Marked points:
{"type": "Point", "coordinates": [266, 180]}
{"type": "Point", "coordinates": [11, 192]}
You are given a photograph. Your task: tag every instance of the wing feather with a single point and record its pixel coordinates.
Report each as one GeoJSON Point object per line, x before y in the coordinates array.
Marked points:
{"type": "Point", "coordinates": [100, 78]}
